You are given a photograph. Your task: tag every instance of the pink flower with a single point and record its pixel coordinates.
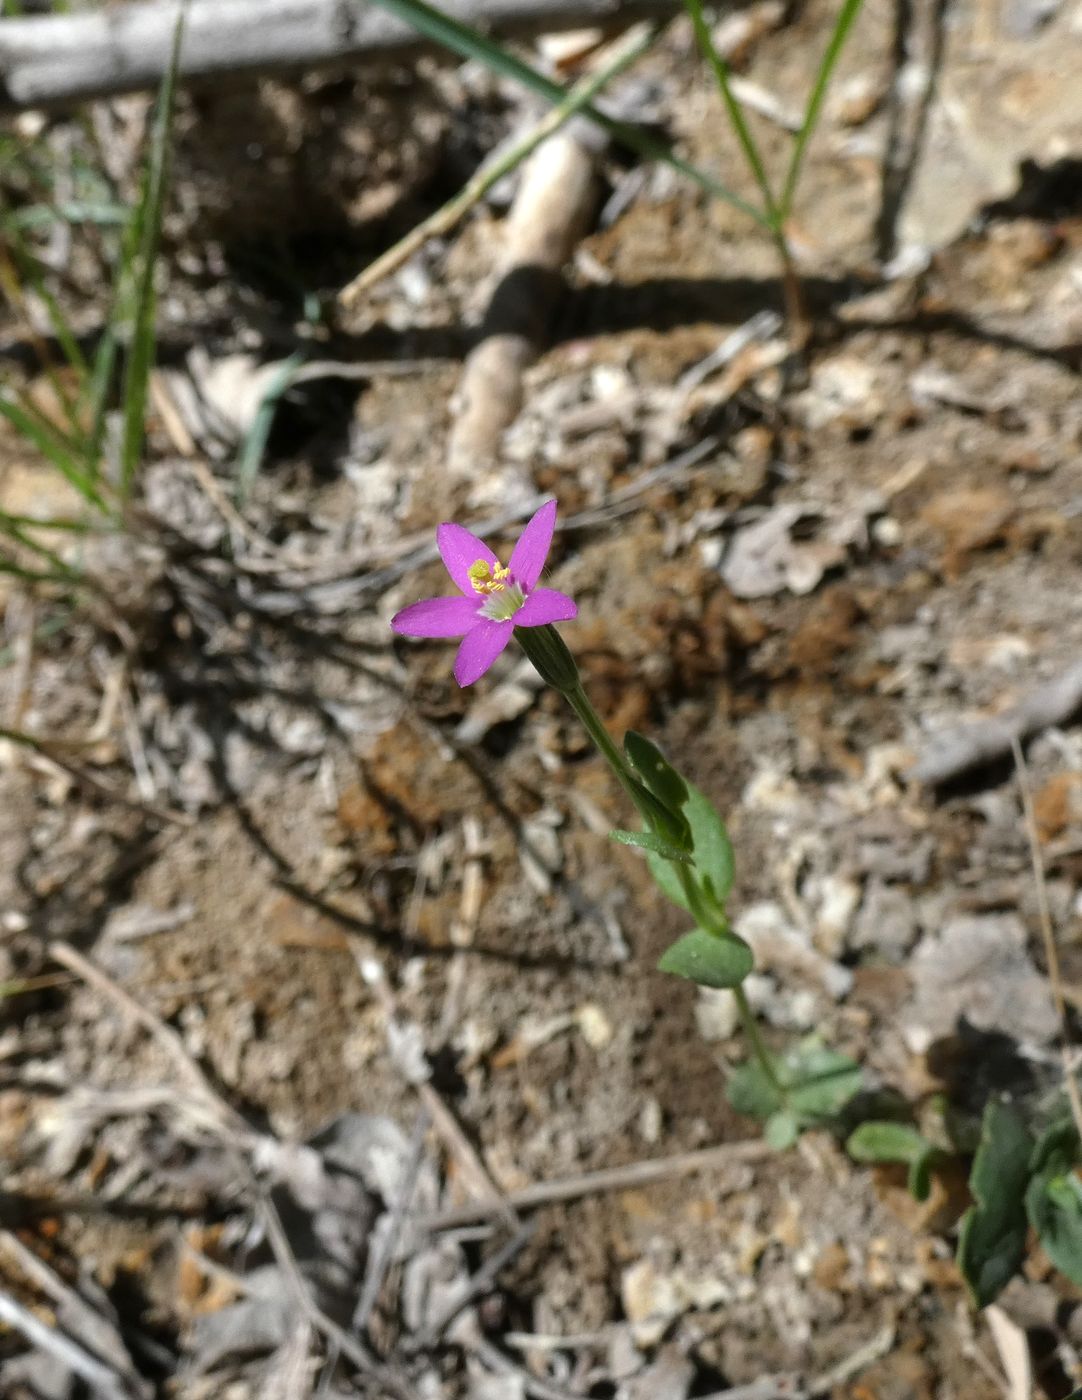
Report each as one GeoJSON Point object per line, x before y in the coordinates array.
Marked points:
{"type": "Point", "coordinates": [495, 599]}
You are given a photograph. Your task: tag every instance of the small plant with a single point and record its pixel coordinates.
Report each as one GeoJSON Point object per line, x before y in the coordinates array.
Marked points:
{"type": "Point", "coordinates": [1024, 1173]}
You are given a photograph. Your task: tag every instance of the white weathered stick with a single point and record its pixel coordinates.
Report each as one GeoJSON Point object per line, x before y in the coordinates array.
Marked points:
{"type": "Point", "coordinates": [551, 211]}
{"type": "Point", "coordinates": [958, 749]}
{"type": "Point", "coordinates": [57, 59]}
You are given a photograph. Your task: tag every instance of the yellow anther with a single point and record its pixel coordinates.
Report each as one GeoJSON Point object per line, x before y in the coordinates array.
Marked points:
{"type": "Point", "coordinates": [487, 580]}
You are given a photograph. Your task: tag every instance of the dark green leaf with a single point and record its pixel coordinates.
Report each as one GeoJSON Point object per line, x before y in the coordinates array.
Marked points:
{"type": "Point", "coordinates": [712, 960]}
{"type": "Point", "coordinates": [992, 1238]}
{"type": "Point", "coordinates": [656, 771]}
{"type": "Point", "coordinates": [750, 1091]}
{"type": "Point", "coordinates": [919, 1177]}
{"type": "Point", "coordinates": [647, 841]}
{"type": "Point", "coordinates": [672, 825]}
{"type": "Point", "coordinates": [711, 851]}
{"type": "Point", "coordinates": [895, 1142]}
{"type": "Point", "coordinates": [1054, 1198]}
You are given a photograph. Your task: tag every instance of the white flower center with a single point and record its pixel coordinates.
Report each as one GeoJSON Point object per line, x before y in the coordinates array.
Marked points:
{"type": "Point", "coordinates": [501, 605]}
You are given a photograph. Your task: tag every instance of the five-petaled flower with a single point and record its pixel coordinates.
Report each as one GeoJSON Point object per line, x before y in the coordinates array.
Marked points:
{"type": "Point", "coordinates": [495, 599]}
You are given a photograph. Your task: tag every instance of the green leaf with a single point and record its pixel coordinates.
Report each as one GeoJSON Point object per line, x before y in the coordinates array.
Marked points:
{"type": "Point", "coordinates": [711, 959]}
{"type": "Point", "coordinates": [886, 1142]}
{"type": "Point", "coordinates": [896, 1142]}
{"type": "Point", "coordinates": [1054, 1198]}
{"type": "Point", "coordinates": [750, 1091]}
{"type": "Point", "coordinates": [656, 771]}
{"type": "Point", "coordinates": [733, 107]}
{"type": "Point", "coordinates": [992, 1238]}
{"type": "Point", "coordinates": [711, 851]}
{"type": "Point", "coordinates": [672, 825]}
{"type": "Point", "coordinates": [814, 1084]}
{"type": "Point", "coordinates": [255, 442]}
{"type": "Point", "coordinates": [782, 1130]}
{"type": "Point", "coordinates": [919, 1176]}
{"type": "Point", "coordinates": [819, 1082]}
{"type": "Point", "coordinates": [647, 841]}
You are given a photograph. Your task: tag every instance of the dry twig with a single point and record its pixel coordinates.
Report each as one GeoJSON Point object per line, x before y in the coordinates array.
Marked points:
{"type": "Point", "coordinates": [955, 751]}
{"type": "Point", "coordinates": [102, 1379]}
{"type": "Point", "coordinates": [546, 1193]}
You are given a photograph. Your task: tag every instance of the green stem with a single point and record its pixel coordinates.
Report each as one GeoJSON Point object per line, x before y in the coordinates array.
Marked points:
{"type": "Point", "coordinates": [603, 740]}
{"type": "Point", "coordinates": [758, 1045]}
{"type": "Point", "coordinates": [697, 906]}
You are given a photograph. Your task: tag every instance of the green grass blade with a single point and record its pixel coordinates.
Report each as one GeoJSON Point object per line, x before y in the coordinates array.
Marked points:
{"type": "Point", "coordinates": [48, 522]}
{"type": "Point", "coordinates": [24, 538]}
{"type": "Point", "coordinates": [38, 216]}
{"type": "Point", "coordinates": [96, 394]}
{"type": "Point", "coordinates": [255, 443]}
{"type": "Point", "coordinates": [849, 11]}
{"type": "Point", "coordinates": [51, 446]}
{"type": "Point", "coordinates": [734, 108]}
{"type": "Point", "coordinates": [14, 570]}
{"type": "Point", "coordinates": [140, 358]}
{"type": "Point", "coordinates": [461, 39]}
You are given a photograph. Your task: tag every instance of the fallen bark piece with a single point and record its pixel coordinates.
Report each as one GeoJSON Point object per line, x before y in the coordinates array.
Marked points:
{"type": "Point", "coordinates": [963, 747]}
{"type": "Point", "coordinates": [56, 59]}
{"type": "Point", "coordinates": [551, 211]}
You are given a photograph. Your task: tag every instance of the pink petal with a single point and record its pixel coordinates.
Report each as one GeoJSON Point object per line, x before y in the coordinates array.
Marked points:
{"type": "Point", "coordinates": [545, 605]}
{"type": "Point", "coordinates": [480, 648]}
{"type": "Point", "coordinates": [459, 549]}
{"type": "Point", "coordinates": [529, 555]}
{"type": "Point", "coordinates": [437, 617]}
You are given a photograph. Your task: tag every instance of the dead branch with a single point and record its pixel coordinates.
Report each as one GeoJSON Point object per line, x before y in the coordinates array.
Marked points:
{"type": "Point", "coordinates": [77, 1359]}
{"type": "Point", "coordinates": [635, 1174]}
{"type": "Point", "coordinates": [57, 59]}
{"type": "Point", "coordinates": [961, 748]}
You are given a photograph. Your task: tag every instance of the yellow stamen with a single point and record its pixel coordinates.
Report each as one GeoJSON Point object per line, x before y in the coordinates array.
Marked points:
{"type": "Point", "coordinates": [487, 580]}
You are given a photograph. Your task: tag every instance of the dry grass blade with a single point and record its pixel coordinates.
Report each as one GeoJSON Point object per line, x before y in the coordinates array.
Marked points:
{"type": "Point", "coordinates": [1048, 935]}
{"type": "Point", "coordinates": [101, 1379]}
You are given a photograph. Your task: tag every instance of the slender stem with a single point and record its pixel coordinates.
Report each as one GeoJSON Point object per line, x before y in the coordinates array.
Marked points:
{"type": "Point", "coordinates": [755, 1040]}
{"type": "Point", "coordinates": [796, 312]}
{"type": "Point", "coordinates": [603, 741]}
{"type": "Point", "coordinates": [847, 15]}
{"type": "Point", "coordinates": [594, 726]}
{"type": "Point", "coordinates": [735, 110]}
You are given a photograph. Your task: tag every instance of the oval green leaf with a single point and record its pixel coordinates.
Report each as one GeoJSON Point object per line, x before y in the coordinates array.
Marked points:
{"type": "Point", "coordinates": [711, 960]}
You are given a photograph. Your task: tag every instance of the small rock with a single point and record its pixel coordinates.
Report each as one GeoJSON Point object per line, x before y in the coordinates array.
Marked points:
{"type": "Point", "coordinates": [716, 1015]}
{"type": "Point", "coordinates": [886, 921]}
{"type": "Point", "coordinates": [978, 967]}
